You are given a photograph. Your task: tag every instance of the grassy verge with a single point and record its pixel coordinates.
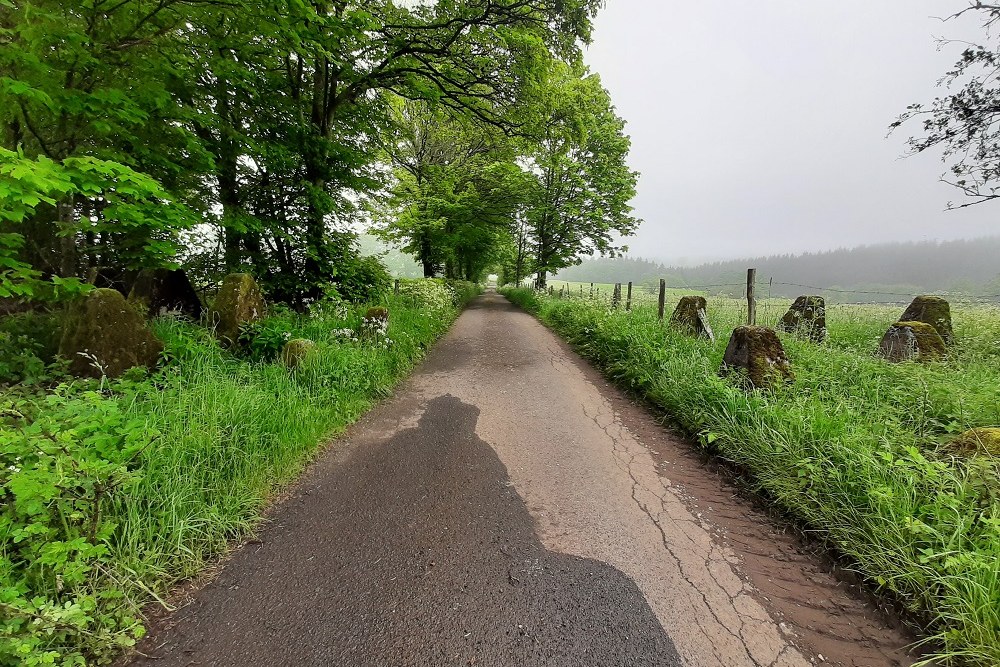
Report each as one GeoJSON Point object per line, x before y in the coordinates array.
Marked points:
{"type": "Point", "coordinates": [855, 448]}
{"type": "Point", "coordinates": [111, 492]}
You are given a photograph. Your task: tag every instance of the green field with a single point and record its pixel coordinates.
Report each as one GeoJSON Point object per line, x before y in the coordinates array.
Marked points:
{"type": "Point", "coordinates": [113, 491]}
{"type": "Point", "coordinates": [856, 449]}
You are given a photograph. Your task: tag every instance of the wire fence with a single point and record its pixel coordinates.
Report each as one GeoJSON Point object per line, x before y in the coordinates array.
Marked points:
{"type": "Point", "coordinates": [847, 320]}
{"type": "Point", "coordinates": [644, 291]}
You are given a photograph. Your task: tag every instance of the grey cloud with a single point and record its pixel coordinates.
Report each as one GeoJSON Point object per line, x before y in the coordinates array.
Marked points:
{"type": "Point", "coordinates": [760, 127]}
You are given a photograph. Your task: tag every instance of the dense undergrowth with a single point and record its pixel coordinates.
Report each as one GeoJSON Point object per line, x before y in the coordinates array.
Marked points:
{"type": "Point", "coordinates": [856, 448]}
{"type": "Point", "coordinates": [112, 491]}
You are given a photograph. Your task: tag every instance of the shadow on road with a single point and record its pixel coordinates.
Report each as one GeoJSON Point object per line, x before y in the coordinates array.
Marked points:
{"type": "Point", "coordinates": [416, 551]}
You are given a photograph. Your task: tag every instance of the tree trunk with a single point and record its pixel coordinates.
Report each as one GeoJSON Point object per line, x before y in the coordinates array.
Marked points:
{"type": "Point", "coordinates": [316, 265]}
{"type": "Point", "coordinates": [541, 282]}
{"type": "Point", "coordinates": [425, 255]}
{"type": "Point", "coordinates": [227, 175]}
{"type": "Point", "coordinates": [67, 239]}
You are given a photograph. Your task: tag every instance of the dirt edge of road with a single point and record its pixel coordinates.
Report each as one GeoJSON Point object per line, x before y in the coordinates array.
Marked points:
{"type": "Point", "coordinates": [798, 577]}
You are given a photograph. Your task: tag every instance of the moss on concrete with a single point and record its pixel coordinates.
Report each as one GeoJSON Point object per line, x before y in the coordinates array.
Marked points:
{"type": "Point", "coordinates": [297, 351]}
{"type": "Point", "coordinates": [911, 341]}
{"type": "Point", "coordinates": [932, 310]}
{"type": "Point", "coordinates": [377, 313]}
{"type": "Point", "coordinates": [691, 317]}
{"type": "Point", "coordinates": [806, 318]}
{"type": "Point", "coordinates": [978, 441]}
{"type": "Point", "coordinates": [104, 334]}
{"type": "Point", "coordinates": [756, 356]}
{"type": "Point", "coordinates": [239, 302]}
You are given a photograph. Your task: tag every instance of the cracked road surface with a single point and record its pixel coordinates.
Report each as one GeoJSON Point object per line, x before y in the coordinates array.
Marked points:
{"type": "Point", "coordinates": [505, 508]}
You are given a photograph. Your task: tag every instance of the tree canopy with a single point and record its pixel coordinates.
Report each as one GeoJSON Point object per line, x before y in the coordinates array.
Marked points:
{"type": "Point", "coordinates": [583, 185]}
{"type": "Point", "coordinates": [259, 136]}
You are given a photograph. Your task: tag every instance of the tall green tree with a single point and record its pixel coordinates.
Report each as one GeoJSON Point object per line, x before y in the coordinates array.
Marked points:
{"type": "Point", "coordinates": [470, 56]}
{"type": "Point", "coordinates": [516, 261]}
{"type": "Point", "coordinates": [583, 185]}
{"type": "Point", "coordinates": [82, 89]}
{"type": "Point", "coordinates": [257, 118]}
{"type": "Point", "coordinates": [457, 189]}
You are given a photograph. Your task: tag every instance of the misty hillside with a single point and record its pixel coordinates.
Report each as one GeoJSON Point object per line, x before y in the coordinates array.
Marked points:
{"type": "Point", "coordinates": [400, 264]}
{"type": "Point", "coordinates": [884, 272]}
{"type": "Point", "coordinates": [613, 270]}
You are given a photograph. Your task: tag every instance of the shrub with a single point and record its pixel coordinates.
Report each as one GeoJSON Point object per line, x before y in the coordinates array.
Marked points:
{"type": "Point", "coordinates": [264, 340]}
{"type": "Point", "coordinates": [429, 294]}
{"type": "Point", "coordinates": [362, 279]}
{"type": "Point", "coordinates": [63, 459]}
{"type": "Point", "coordinates": [463, 292]}
{"type": "Point", "coordinates": [28, 345]}
{"type": "Point", "coordinates": [109, 498]}
{"type": "Point", "coordinates": [438, 294]}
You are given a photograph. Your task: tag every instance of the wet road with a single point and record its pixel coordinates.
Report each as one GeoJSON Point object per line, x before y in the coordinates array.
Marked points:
{"type": "Point", "coordinates": [500, 509]}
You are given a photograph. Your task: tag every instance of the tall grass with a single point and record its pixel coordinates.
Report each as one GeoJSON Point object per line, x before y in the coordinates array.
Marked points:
{"type": "Point", "coordinates": [856, 448]}
{"type": "Point", "coordinates": [144, 479]}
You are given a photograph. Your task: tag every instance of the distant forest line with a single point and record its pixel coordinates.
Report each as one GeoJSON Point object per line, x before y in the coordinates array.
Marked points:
{"type": "Point", "coordinates": [872, 273]}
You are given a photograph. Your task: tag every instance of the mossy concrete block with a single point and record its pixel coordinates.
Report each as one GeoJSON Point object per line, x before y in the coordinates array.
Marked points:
{"type": "Point", "coordinates": [806, 318]}
{"type": "Point", "coordinates": [756, 355]}
{"type": "Point", "coordinates": [377, 313]}
{"type": "Point", "coordinates": [932, 310]}
{"type": "Point", "coordinates": [691, 316]}
{"type": "Point", "coordinates": [911, 341]}
{"type": "Point", "coordinates": [297, 351]}
{"type": "Point", "coordinates": [239, 302]}
{"type": "Point", "coordinates": [978, 441]}
{"type": "Point", "coordinates": [103, 333]}
{"type": "Point", "coordinates": [164, 291]}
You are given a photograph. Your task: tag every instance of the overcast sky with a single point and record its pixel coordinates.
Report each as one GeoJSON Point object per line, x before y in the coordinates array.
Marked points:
{"type": "Point", "coordinates": [760, 127]}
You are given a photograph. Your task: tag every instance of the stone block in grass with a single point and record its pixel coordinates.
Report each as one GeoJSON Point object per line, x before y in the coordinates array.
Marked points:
{"type": "Point", "coordinates": [166, 291]}
{"type": "Point", "coordinates": [911, 341]}
{"type": "Point", "coordinates": [377, 313]}
{"type": "Point", "coordinates": [806, 318]}
{"type": "Point", "coordinates": [297, 351]}
{"type": "Point", "coordinates": [375, 323]}
{"type": "Point", "coordinates": [755, 355]}
{"type": "Point", "coordinates": [104, 335]}
{"type": "Point", "coordinates": [691, 317]}
{"type": "Point", "coordinates": [977, 441]}
{"type": "Point", "coordinates": [932, 310]}
{"type": "Point", "coordinates": [239, 302]}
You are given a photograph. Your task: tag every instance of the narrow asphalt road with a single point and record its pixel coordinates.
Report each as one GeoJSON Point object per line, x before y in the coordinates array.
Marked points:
{"type": "Point", "coordinates": [504, 508]}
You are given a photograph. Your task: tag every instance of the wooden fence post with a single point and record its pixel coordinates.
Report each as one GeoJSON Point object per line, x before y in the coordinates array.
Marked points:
{"type": "Point", "coordinates": [591, 290]}
{"type": "Point", "coordinates": [628, 301]}
{"type": "Point", "coordinates": [751, 300]}
{"type": "Point", "coordinates": [616, 296]}
{"type": "Point", "coordinates": [395, 289]}
{"type": "Point", "coordinates": [663, 296]}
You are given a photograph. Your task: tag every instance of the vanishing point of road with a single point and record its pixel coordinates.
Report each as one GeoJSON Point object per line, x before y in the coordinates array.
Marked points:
{"type": "Point", "coordinates": [506, 507]}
